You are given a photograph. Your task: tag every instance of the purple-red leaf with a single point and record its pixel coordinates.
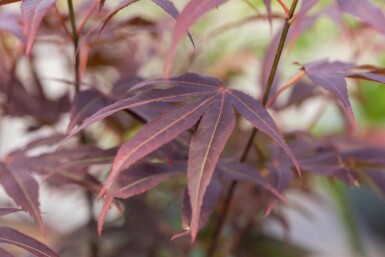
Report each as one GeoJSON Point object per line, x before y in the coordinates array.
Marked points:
{"type": "Point", "coordinates": [206, 146]}
{"type": "Point", "coordinates": [367, 154]}
{"type": "Point", "coordinates": [325, 164]}
{"type": "Point", "coordinates": [325, 74]}
{"type": "Point", "coordinates": [256, 114]}
{"type": "Point", "coordinates": [366, 11]}
{"type": "Point", "coordinates": [136, 180]}
{"type": "Point", "coordinates": [191, 12]}
{"type": "Point", "coordinates": [280, 177]}
{"type": "Point", "coordinates": [85, 104]}
{"type": "Point", "coordinates": [33, 12]}
{"type": "Point", "coordinates": [6, 211]}
{"type": "Point", "coordinates": [244, 172]}
{"type": "Point", "coordinates": [22, 187]}
{"type": "Point", "coordinates": [14, 237]}
{"type": "Point", "coordinates": [203, 96]}
{"type": "Point", "coordinates": [156, 133]}
{"type": "Point", "coordinates": [154, 95]}
{"type": "Point", "coordinates": [210, 200]}
{"type": "Point", "coordinates": [142, 177]}
{"type": "Point", "coordinates": [372, 74]}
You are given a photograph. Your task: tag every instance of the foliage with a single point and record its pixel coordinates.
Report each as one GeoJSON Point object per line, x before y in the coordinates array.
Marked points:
{"type": "Point", "coordinates": [181, 130]}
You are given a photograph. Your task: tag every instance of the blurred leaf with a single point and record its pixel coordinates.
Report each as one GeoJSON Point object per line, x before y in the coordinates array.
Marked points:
{"type": "Point", "coordinates": [14, 237]}
{"type": "Point", "coordinates": [33, 12]}
{"type": "Point", "coordinates": [23, 188]}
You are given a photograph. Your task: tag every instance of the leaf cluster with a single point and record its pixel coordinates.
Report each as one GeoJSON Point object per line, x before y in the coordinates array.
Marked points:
{"type": "Point", "coordinates": [181, 133]}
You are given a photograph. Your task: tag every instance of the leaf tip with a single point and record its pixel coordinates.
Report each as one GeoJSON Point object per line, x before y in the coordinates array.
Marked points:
{"type": "Point", "coordinates": [108, 200]}
{"type": "Point", "coordinates": [351, 119]}
{"type": "Point", "coordinates": [269, 208]}
{"type": "Point", "coordinates": [298, 169]}
{"type": "Point", "coordinates": [102, 192]}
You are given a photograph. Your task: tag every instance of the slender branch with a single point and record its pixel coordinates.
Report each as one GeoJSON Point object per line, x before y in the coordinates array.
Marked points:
{"type": "Point", "coordinates": [278, 54]}
{"type": "Point", "coordinates": [230, 193]}
{"type": "Point", "coordinates": [75, 37]}
{"type": "Point", "coordinates": [93, 243]}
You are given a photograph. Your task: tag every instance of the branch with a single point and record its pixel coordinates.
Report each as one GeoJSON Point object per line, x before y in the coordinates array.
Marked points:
{"type": "Point", "coordinates": [75, 37]}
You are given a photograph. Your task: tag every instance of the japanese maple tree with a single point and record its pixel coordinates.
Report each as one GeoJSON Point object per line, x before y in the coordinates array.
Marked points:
{"type": "Point", "coordinates": [177, 128]}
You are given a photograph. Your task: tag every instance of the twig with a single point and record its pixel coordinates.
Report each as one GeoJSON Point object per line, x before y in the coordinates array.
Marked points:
{"type": "Point", "coordinates": [75, 37]}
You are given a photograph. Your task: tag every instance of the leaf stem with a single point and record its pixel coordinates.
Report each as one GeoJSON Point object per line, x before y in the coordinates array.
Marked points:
{"type": "Point", "coordinates": [75, 37]}
{"type": "Point", "coordinates": [291, 82]}
{"type": "Point", "coordinates": [284, 6]}
{"type": "Point", "coordinates": [230, 193]}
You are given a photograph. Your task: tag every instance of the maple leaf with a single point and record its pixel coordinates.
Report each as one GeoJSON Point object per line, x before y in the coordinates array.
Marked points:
{"type": "Point", "coordinates": [33, 12]}
{"type": "Point", "coordinates": [331, 76]}
{"type": "Point", "coordinates": [227, 171]}
{"type": "Point", "coordinates": [23, 188]}
{"type": "Point", "coordinates": [14, 237]}
{"type": "Point", "coordinates": [367, 72]}
{"type": "Point", "coordinates": [211, 198]}
{"type": "Point", "coordinates": [38, 106]}
{"type": "Point", "coordinates": [135, 180]}
{"type": "Point", "coordinates": [366, 11]}
{"type": "Point", "coordinates": [247, 173]}
{"type": "Point", "coordinates": [211, 101]}
{"type": "Point", "coordinates": [85, 103]}
{"type": "Point", "coordinates": [366, 154]}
